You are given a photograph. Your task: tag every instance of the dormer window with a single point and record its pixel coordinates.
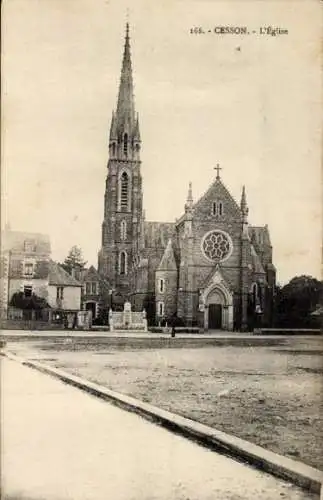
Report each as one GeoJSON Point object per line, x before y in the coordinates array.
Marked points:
{"type": "Point", "coordinates": [29, 246]}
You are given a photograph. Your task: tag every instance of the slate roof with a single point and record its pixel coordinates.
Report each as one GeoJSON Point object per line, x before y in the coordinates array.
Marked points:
{"type": "Point", "coordinates": [59, 277]}
{"type": "Point", "coordinates": [168, 262]}
{"type": "Point", "coordinates": [15, 241]}
{"type": "Point", "coordinates": [91, 274]}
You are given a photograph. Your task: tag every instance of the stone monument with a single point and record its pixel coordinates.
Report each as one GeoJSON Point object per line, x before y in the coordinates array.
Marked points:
{"type": "Point", "coordinates": [127, 320]}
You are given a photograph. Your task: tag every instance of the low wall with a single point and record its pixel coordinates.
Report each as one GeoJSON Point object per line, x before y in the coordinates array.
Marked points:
{"type": "Point", "coordinates": [12, 324]}
{"type": "Point", "coordinates": [178, 329]}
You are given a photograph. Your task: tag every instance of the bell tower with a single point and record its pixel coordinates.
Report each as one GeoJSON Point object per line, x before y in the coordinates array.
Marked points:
{"type": "Point", "coordinates": [123, 192]}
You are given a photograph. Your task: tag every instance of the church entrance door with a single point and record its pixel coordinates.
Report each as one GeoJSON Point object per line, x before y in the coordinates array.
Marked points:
{"type": "Point", "coordinates": [215, 316]}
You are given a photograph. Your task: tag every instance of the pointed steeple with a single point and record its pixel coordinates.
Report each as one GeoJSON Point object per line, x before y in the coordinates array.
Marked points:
{"type": "Point", "coordinates": [136, 133]}
{"type": "Point", "coordinates": [244, 210]}
{"type": "Point", "coordinates": [189, 200]}
{"type": "Point", "coordinates": [168, 262]}
{"type": "Point", "coordinates": [125, 107]}
{"type": "Point", "coordinates": [243, 203]}
{"type": "Point", "coordinates": [113, 128]}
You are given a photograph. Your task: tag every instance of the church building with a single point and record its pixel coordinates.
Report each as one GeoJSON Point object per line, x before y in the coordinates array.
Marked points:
{"type": "Point", "coordinates": [210, 268]}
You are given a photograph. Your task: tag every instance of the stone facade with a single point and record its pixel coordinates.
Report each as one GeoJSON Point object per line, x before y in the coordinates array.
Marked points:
{"type": "Point", "coordinates": [166, 284]}
{"type": "Point", "coordinates": [27, 268]}
{"type": "Point", "coordinates": [92, 292]}
{"type": "Point", "coordinates": [25, 265]}
{"type": "Point", "coordinates": [209, 268]}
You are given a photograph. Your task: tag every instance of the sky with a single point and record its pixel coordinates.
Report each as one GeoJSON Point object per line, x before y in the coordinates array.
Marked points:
{"type": "Point", "coordinates": [249, 102]}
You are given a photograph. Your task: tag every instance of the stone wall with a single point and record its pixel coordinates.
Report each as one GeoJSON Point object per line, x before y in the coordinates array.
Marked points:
{"type": "Point", "coordinates": [169, 294]}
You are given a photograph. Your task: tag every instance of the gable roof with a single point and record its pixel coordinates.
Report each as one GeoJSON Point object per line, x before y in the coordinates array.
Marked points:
{"type": "Point", "coordinates": [221, 190]}
{"type": "Point", "coordinates": [15, 241]}
{"type": "Point", "coordinates": [168, 262]}
{"type": "Point", "coordinates": [217, 271]}
{"type": "Point", "coordinates": [59, 277]}
{"type": "Point", "coordinates": [218, 186]}
{"type": "Point", "coordinates": [259, 235]}
{"type": "Point", "coordinates": [90, 273]}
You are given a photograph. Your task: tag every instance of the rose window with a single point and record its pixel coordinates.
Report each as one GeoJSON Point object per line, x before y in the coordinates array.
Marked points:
{"type": "Point", "coordinates": [216, 245]}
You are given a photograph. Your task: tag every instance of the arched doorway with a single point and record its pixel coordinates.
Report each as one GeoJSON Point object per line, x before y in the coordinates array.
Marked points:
{"type": "Point", "coordinates": [91, 306]}
{"type": "Point", "coordinates": [218, 312]}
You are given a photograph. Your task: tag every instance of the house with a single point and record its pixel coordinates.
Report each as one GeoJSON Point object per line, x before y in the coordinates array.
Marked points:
{"type": "Point", "coordinates": [91, 291]}
{"type": "Point", "coordinates": [30, 276]}
{"type": "Point", "coordinates": [25, 259]}
{"type": "Point", "coordinates": [64, 291]}
{"type": "Point", "coordinates": [97, 295]}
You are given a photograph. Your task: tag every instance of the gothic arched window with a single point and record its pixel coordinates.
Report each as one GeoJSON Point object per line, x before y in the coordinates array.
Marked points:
{"type": "Point", "coordinates": [161, 309]}
{"type": "Point", "coordinates": [113, 149]}
{"type": "Point", "coordinates": [125, 144]}
{"type": "Point", "coordinates": [123, 263]}
{"type": "Point", "coordinates": [161, 285]}
{"type": "Point", "coordinates": [217, 208]}
{"type": "Point", "coordinates": [123, 230]}
{"type": "Point", "coordinates": [254, 289]}
{"type": "Point", "coordinates": [124, 191]}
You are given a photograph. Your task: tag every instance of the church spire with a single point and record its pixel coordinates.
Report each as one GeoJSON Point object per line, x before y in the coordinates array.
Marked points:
{"type": "Point", "coordinates": [136, 134]}
{"type": "Point", "coordinates": [244, 210]}
{"type": "Point", "coordinates": [126, 107]}
{"type": "Point", "coordinates": [243, 203]}
{"type": "Point", "coordinates": [189, 200]}
{"type": "Point", "coordinates": [113, 128]}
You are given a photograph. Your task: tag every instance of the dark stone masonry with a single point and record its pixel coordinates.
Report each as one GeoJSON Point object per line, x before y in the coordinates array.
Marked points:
{"type": "Point", "coordinates": [210, 268]}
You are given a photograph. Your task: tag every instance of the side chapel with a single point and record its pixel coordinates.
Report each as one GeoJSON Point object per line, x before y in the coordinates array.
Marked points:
{"type": "Point", "coordinates": [210, 268]}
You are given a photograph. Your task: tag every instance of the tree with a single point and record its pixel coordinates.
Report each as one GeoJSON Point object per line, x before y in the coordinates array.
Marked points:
{"type": "Point", "coordinates": [34, 302]}
{"type": "Point", "coordinates": [74, 263]}
{"type": "Point", "coordinates": [297, 300]}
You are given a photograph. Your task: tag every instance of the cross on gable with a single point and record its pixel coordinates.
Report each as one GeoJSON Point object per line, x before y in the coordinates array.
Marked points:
{"type": "Point", "coordinates": [217, 168]}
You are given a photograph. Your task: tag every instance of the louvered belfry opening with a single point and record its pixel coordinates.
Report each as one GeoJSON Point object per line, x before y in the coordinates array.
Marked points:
{"type": "Point", "coordinates": [124, 191]}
